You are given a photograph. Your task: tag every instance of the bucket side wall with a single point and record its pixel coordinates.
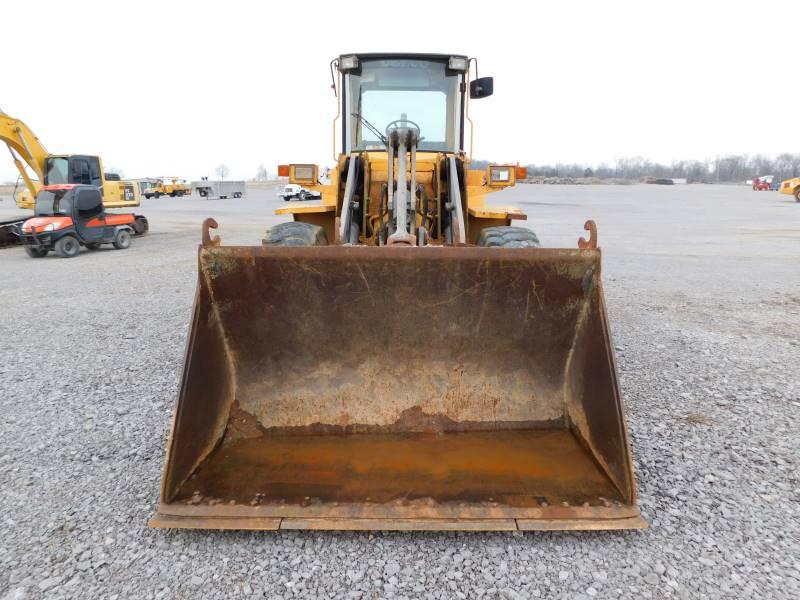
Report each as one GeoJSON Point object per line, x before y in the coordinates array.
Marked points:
{"type": "Point", "coordinates": [592, 395]}
{"type": "Point", "coordinates": [205, 397]}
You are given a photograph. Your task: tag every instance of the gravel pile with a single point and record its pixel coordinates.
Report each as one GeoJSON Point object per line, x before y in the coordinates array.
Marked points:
{"type": "Point", "coordinates": [706, 329]}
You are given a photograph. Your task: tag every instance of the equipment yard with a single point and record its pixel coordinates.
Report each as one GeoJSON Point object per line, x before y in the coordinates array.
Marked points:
{"type": "Point", "coordinates": [703, 294]}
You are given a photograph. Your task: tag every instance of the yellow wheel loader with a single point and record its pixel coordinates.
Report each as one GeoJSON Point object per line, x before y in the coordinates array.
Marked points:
{"type": "Point", "coordinates": [399, 356]}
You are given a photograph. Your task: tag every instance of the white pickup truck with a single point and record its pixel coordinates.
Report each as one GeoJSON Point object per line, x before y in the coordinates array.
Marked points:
{"type": "Point", "coordinates": [296, 192]}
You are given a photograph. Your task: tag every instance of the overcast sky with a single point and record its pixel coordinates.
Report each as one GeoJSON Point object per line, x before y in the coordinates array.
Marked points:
{"type": "Point", "coordinates": [169, 88]}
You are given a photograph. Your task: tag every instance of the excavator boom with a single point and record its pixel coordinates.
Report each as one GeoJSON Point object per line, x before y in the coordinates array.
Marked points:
{"type": "Point", "coordinates": [25, 149]}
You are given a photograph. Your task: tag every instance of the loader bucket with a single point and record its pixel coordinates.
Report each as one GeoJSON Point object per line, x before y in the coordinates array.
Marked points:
{"type": "Point", "coordinates": [399, 388]}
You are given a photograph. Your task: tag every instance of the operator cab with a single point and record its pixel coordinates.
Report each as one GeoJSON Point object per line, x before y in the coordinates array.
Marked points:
{"type": "Point", "coordinates": [73, 169]}
{"type": "Point", "coordinates": [425, 91]}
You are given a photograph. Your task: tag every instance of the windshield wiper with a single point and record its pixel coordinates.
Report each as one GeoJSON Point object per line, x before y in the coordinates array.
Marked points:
{"type": "Point", "coordinates": [371, 127]}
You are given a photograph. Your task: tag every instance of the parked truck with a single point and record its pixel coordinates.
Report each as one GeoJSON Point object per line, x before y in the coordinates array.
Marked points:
{"type": "Point", "coordinates": [218, 189]}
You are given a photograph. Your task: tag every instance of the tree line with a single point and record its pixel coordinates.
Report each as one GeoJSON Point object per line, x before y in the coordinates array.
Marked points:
{"type": "Point", "coordinates": [723, 169]}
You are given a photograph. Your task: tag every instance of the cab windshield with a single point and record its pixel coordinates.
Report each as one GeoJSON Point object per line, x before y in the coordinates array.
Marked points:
{"type": "Point", "coordinates": [56, 171]}
{"type": "Point", "coordinates": [51, 204]}
{"type": "Point", "coordinates": [422, 91]}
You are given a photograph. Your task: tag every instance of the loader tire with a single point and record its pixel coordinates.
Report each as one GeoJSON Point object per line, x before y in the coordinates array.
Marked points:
{"type": "Point", "coordinates": [295, 234]}
{"type": "Point", "coordinates": [508, 237]}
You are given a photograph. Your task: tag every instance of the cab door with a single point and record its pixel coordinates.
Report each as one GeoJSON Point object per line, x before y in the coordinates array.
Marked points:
{"type": "Point", "coordinates": [90, 218]}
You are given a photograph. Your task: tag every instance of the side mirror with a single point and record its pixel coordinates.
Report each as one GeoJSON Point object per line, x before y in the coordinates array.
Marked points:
{"type": "Point", "coordinates": [482, 87]}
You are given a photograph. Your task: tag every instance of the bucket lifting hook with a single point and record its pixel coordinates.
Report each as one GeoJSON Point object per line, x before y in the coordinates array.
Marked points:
{"type": "Point", "coordinates": [591, 227]}
{"type": "Point", "coordinates": [207, 239]}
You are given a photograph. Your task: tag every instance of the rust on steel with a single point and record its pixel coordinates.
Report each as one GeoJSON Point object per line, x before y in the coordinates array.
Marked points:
{"type": "Point", "coordinates": [351, 387]}
{"type": "Point", "coordinates": [591, 227]}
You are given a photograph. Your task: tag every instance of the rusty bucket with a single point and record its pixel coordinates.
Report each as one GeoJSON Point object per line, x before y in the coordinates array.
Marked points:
{"type": "Point", "coordinates": [399, 388]}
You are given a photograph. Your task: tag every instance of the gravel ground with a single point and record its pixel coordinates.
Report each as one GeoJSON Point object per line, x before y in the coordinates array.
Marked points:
{"type": "Point", "coordinates": [703, 289]}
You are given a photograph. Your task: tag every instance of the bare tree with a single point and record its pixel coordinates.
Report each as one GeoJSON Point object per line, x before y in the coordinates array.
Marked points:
{"type": "Point", "coordinates": [222, 171]}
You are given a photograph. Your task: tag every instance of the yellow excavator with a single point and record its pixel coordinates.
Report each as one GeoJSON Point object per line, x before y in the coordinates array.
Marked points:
{"type": "Point", "coordinates": [399, 355]}
{"type": "Point", "coordinates": [28, 153]}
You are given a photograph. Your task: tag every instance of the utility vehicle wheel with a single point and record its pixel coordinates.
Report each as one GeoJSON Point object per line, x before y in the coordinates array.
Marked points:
{"type": "Point", "coordinates": [35, 251]}
{"type": "Point", "coordinates": [140, 225]}
{"type": "Point", "coordinates": [93, 246]}
{"type": "Point", "coordinates": [203, 193]}
{"type": "Point", "coordinates": [797, 195]}
{"type": "Point", "coordinates": [157, 195]}
{"type": "Point", "coordinates": [122, 240]}
{"type": "Point", "coordinates": [148, 196]}
{"type": "Point", "coordinates": [303, 196]}
{"type": "Point", "coordinates": [295, 234]}
{"type": "Point", "coordinates": [508, 237]}
{"type": "Point", "coordinates": [67, 247]}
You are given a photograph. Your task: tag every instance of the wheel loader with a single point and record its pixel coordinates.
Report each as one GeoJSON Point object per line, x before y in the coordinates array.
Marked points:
{"type": "Point", "coordinates": [399, 356]}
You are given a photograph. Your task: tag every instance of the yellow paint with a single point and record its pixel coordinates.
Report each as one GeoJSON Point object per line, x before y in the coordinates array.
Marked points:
{"type": "Point", "coordinates": [791, 187]}
{"type": "Point", "coordinates": [26, 149]}
{"type": "Point", "coordinates": [171, 186]}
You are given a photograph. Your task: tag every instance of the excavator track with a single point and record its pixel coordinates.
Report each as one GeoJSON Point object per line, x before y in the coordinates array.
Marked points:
{"type": "Point", "coordinates": [8, 236]}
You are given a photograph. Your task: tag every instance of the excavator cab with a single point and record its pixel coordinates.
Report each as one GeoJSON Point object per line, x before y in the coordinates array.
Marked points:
{"type": "Point", "coordinates": [398, 355]}
{"type": "Point", "coordinates": [73, 169]}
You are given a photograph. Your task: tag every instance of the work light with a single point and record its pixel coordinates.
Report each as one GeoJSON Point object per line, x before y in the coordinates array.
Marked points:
{"type": "Point", "coordinates": [457, 63]}
{"type": "Point", "coordinates": [348, 63]}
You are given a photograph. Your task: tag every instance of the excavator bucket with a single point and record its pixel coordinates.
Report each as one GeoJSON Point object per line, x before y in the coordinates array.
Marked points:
{"type": "Point", "coordinates": [441, 388]}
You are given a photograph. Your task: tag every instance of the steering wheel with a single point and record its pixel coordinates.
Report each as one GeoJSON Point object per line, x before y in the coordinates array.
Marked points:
{"type": "Point", "coordinates": [403, 123]}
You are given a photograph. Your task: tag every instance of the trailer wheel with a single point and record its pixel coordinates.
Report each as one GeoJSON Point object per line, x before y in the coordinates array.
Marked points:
{"type": "Point", "coordinates": [508, 237]}
{"type": "Point", "coordinates": [295, 233]}
{"type": "Point", "coordinates": [122, 240]}
{"type": "Point", "coordinates": [36, 252]}
{"type": "Point", "coordinates": [68, 246]}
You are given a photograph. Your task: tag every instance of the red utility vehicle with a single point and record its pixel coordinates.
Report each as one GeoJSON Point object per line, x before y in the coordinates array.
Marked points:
{"type": "Point", "coordinates": [69, 216]}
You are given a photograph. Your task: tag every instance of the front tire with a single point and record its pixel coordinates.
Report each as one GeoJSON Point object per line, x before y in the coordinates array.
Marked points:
{"type": "Point", "coordinates": [508, 237]}
{"type": "Point", "coordinates": [36, 252]}
{"type": "Point", "coordinates": [797, 195]}
{"type": "Point", "coordinates": [68, 246]}
{"type": "Point", "coordinates": [122, 240]}
{"type": "Point", "coordinates": [295, 233]}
